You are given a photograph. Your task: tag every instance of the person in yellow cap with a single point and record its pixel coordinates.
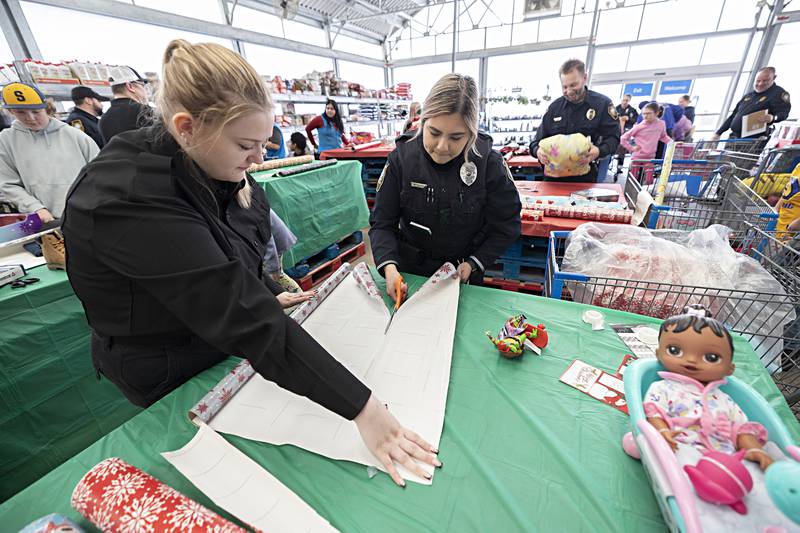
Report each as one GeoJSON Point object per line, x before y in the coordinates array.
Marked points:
{"type": "Point", "coordinates": [40, 156]}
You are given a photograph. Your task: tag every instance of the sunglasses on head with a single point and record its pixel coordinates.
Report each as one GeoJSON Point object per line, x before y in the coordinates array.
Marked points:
{"type": "Point", "coordinates": [18, 284]}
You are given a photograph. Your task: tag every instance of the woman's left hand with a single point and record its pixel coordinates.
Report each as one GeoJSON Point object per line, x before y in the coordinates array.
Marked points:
{"type": "Point", "coordinates": [290, 299]}
{"type": "Point", "coordinates": [464, 271]}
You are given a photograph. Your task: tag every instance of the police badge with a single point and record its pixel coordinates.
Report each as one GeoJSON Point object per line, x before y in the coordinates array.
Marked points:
{"type": "Point", "coordinates": [469, 173]}
{"type": "Point", "coordinates": [590, 114]}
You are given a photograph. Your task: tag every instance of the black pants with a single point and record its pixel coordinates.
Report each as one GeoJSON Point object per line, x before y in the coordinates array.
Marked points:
{"type": "Point", "coordinates": [147, 371]}
{"type": "Point", "coordinates": [415, 261]}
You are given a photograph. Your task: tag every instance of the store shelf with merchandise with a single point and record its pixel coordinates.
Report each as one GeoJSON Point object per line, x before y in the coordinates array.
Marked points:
{"type": "Point", "coordinates": [511, 117]}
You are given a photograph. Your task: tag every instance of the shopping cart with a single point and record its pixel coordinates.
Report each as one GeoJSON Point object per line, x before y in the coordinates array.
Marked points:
{"type": "Point", "coordinates": [768, 321]}
{"type": "Point", "coordinates": [698, 194]}
{"type": "Point", "coordinates": [774, 171]}
{"type": "Point", "coordinates": [743, 153]}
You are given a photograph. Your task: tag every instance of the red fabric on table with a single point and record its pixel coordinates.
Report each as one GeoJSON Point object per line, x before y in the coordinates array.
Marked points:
{"type": "Point", "coordinates": [543, 227]}
{"type": "Point", "coordinates": [523, 161]}
{"type": "Point", "coordinates": [366, 153]}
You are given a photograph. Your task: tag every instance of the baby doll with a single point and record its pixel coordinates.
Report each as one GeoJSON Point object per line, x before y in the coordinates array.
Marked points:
{"type": "Point", "coordinates": [686, 406]}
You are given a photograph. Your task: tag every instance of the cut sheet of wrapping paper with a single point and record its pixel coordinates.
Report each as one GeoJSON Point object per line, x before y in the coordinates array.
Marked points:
{"type": "Point", "coordinates": [117, 496]}
{"type": "Point", "coordinates": [407, 368]}
{"type": "Point", "coordinates": [564, 152]}
{"type": "Point", "coordinates": [242, 487]}
{"type": "Point", "coordinates": [211, 403]}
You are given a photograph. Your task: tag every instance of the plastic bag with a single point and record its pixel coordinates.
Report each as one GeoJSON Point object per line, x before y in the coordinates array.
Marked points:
{"type": "Point", "coordinates": [658, 273]}
{"type": "Point", "coordinates": [564, 152]}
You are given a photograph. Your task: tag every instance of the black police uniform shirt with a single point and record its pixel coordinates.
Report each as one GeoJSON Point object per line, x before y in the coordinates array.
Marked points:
{"type": "Point", "coordinates": [87, 123]}
{"type": "Point", "coordinates": [124, 114]}
{"type": "Point", "coordinates": [629, 112]}
{"type": "Point", "coordinates": [595, 117]}
{"type": "Point", "coordinates": [425, 215]}
{"type": "Point", "coordinates": [157, 252]}
{"type": "Point", "coordinates": [775, 100]}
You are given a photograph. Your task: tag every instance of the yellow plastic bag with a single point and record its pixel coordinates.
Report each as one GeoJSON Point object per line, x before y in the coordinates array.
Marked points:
{"type": "Point", "coordinates": [564, 152]}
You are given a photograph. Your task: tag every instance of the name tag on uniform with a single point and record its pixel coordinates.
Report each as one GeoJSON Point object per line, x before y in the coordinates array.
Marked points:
{"type": "Point", "coordinates": [556, 119]}
{"type": "Point", "coordinates": [418, 185]}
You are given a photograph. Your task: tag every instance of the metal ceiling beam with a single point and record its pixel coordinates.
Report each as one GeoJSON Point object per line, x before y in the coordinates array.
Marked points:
{"type": "Point", "coordinates": [169, 20]}
{"type": "Point", "coordinates": [676, 38]}
{"type": "Point", "coordinates": [17, 32]}
{"type": "Point", "coordinates": [316, 22]}
{"type": "Point", "coordinates": [768, 41]}
{"type": "Point", "coordinates": [489, 52]}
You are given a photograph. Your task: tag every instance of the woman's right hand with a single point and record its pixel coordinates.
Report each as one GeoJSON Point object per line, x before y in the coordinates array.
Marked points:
{"type": "Point", "coordinates": [391, 273]}
{"type": "Point", "coordinates": [45, 216]}
{"type": "Point", "coordinates": [391, 443]}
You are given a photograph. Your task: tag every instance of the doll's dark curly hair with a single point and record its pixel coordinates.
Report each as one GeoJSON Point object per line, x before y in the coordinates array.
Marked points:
{"type": "Point", "coordinates": [696, 317]}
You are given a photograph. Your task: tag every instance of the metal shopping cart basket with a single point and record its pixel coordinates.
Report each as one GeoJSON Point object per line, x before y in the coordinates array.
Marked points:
{"type": "Point", "coordinates": [768, 321]}
{"type": "Point", "coordinates": [698, 194]}
{"type": "Point", "coordinates": [743, 153]}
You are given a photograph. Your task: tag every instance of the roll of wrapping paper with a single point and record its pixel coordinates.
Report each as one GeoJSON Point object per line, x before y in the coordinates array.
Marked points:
{"type": "Point", "coordinates": [666, 169]}
{"type": "Point", "coordinates": [279, 163]}
{"type": "Point", "coordinates": [364, 146]}
{"type": "Point", "coordinates": [217, 397]}
{"type": "Point", "coordinates": [116, 496]}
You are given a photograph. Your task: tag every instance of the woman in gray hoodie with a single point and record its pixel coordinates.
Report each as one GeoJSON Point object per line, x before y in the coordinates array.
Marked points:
{"type": "Point", "coordinates": [40, 156]}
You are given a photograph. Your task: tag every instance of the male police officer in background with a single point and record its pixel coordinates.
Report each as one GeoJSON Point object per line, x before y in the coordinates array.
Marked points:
{"type": "Point", "coordinates": [85, 115]}
{"type": "Point", "coordinates": [579, 110]}
{"type": "Point", "coordinates": [766, 95]}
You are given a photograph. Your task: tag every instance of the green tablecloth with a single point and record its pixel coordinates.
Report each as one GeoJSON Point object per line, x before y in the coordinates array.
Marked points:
{"type": "Point", "coordinates": [521, 451]}
{"type": "Point", "coordinates": [51, 405]}
{"type": "Point", "coordinates": [320, 206]}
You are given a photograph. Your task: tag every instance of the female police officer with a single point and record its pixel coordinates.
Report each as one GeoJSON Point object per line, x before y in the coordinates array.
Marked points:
{"type": "Point", "coordinates": [165, 236]}
{"type": "Point", "coordinates": [444, 194]}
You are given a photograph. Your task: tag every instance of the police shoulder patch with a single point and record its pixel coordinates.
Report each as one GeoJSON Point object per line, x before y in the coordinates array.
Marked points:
{"type": "Point", "coordinates": [785, 97]}
{"type": "Point", "coordinates": [613, 111]}
{"type": "Point", "coordinates": [383, 175]}
{"type": "Point", "coordinates": [77, 124]}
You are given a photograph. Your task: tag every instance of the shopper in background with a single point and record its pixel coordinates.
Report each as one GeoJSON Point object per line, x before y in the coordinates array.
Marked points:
{"type": "Point", "coordinates": [766, 95]}
{"type": "Point", "coordinates": [166, 235]}
{"type": "Point", "coordinates": [646, 136]}
{"type": "Point", "coordinates": [39, 156]}
{"type": "Point", "coordinates": [685, 102]}
{"type": "Point", "coordinates": [298, 145]}
{"type": "Point", "coordinates": [444, 194]}
{"type": "Point", "coordinates": [579, 110]}
{"type": "Point", "coordinates": [274, 145]}
{"type": "Point", "coordinates": [129, 109]}
{"type": "Point", "coordinates": [627, 118]}
{"type": "Point", "coordinates": [85, 115]}
{"type": "Point", "coordinates": [330, 128]}
{"type": "Point", "coordinates": [683, 126]}
{"type": "Point", "coordinates": [414, 111]}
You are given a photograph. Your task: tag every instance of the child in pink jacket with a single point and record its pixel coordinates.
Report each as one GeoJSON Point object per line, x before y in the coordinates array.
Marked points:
{"type": "Point", "coordinates": [646, 135]}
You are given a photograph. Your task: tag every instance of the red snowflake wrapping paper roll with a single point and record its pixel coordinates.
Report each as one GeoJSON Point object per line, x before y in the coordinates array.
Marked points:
{"type": "Point", "coordinates": [118, 497]}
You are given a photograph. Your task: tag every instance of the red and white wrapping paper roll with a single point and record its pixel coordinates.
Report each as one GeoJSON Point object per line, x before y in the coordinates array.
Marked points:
{"type": "Point", "coordinates": [118, 497]}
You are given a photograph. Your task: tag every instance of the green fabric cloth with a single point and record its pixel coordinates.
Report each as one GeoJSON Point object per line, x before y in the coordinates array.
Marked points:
{"type": "Point", "coordinates": [51, 405]}
{"type": "Point", "coordinates": [521, 451]}
{"type": "Point", "coordinates": [320, 206]}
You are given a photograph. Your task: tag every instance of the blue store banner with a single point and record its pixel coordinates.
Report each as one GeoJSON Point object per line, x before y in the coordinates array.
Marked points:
{"type": "Point", "coordinates": [638, 89]}
{"type": "Point", "coordinates": [675, 87]}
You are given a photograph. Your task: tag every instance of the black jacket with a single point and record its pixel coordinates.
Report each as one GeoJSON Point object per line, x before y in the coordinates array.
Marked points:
{"type": "Point", "coordinates": [425, 215]}
{"type": "Point", "coordinates": [775, 100]}
{"type": "Point", "coordinates": [124, 114]}
{"type": "Point", "coordinates": [629, 112]}
{"type": "Point", "coordinates": [87, 123]}
{"type": "Point", "coordinates": [595, 117]}
{"type": "Point", "coordinates": [155, 250]}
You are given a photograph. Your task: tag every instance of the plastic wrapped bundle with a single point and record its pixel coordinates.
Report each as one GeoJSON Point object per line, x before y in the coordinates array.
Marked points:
{"type": "Point", "coordinates": [658, 273]}
{"type": "Point", "coordinates": [564, 153]}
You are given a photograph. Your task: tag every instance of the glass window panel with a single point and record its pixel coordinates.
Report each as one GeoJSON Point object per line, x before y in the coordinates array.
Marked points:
{"type": "Point", "coordinates": [554, 29]}
{"type": "Point", "coordinates": [254, 20]}
{"type": "Point", "coordinates": [665, 55]}
{"type": "Point", "coordinates": [610, 60]}
{"type": "Point", "coordinates": [209, 10]}
{"type": "Point", "coordinates": [116, 35]}
{"type": "Point", "coordinates": [726, 49]}
{"type": "Point", "coordinates": [582, 25]}
{"type": "Point", "coordinates": [710, 93]}
{"type": "Point", "coordinates": [423, 77]}
{"type": "Point", "coordinates": [621, 24]}
{"type": "Point", "coordinates": [423, 46]}
{"type": "Point", "coordinates": [308, 34]}
{"type": "Point", "coordinates": [680, 17]}
{"type": "Point", "coordinates": [358, 47]}
{"type": "Point", "coordinates": [499, 36]}
{"type": "Point", "coordinates": [444, 44]}
{"type": "Point", "coordinates": [533, 71]}
{"type": "Point", "coordinates": [471, 40]}
{"type": "Point", "coordinates": [612, 90]}
{"type": "Point", "coordinates": [784, 59]}
{"type": "Point", "coordinates": [753, 50]}
{"type": "Point", "coordinates": [367, 75]}
{"type": "Point", "coordinates": [525, 32]}
{"type": "Point", "coordinates": [738, 14]}
{"type": "Point", "coordinates": [401, 49]}
{"type": "Point", "coordinates": [6, 56]}
{"type": "Point", "coordinates": [284, 63]}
